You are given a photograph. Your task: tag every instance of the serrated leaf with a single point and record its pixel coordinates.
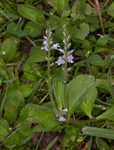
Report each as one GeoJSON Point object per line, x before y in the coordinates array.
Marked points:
{"type": "Point", "coordinates": [40, 114]}
{"type": "Point", "coordinates": [37, 55]}
{"type": "Point", "coordinates": [81, 91]}
{"type": "Point", "coordinates": [4, 129]}
{"type": "Point", "coordinates": [20, 136]}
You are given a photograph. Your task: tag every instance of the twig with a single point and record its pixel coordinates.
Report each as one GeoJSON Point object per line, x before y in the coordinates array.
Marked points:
{"type": "Point", "coordinates": [105, 4]}
{"type": "Point", "coordinates": [91, 3]}
{"type": "Point", "coordinates": [99, 14]}
{"type": "Point", "coordinates": [13, 64]}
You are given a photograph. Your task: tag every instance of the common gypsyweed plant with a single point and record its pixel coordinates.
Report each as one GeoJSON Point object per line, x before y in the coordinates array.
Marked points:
{"type": "Point", "coordinates": [63, 60]}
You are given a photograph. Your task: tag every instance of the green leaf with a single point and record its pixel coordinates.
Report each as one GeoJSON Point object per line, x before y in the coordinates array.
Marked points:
{"type": "Point", "coordinates": [108, 114]}
{"type": "Point", "coordinates": [4, 129]}
{"type": "Point", "coordinates": [71, 136]}
{"type": "Point", "coordinates": [93, 22]}
{"type": "Point", "coordinates": [99, 132]}
{"type": "Point", "coordinates": [2, 20]}
{"type": "Point", "coordinates": [88, 101]}
{"type": "Point", "coordinates": [9, 48]}
{"type": "Point", "coordinates": [23, 147]}
{"type": "Point", "coordinates": [37, 55]}
{"type": "Point", "coordinates": [16, 30]}
{"type": "Point", "coordinates": [58, 87]}
{"type": "Point", "coordinates": [20, 136]}
{"type": "Point", "coordinates": [103, 40]}
{"type": "Point", "coordinates": [81, 32]}
{"type": "Point", "coordinates": [95, 60]}
{"type": "Point", "coordinates": [100, 49]}
{"type": "Point", "coordinates": [101, 144]}
{"type": "Point", "coordinates": [57, 24]}
{"type": "Point", "coordinates": [40, 114]}
{"type": "Point", "coordinates": [104, 84]}
{"type": "Point", "coordinates": [26, 89]}
{"type": "Point", "coordinates": [81, 91]}
{"type": "Point", "coordinates": [29, 74]}
{"type": "Point", "coordinates": [80, 9]}
{"type": "Point", "coordinates": [52, 143]}
{"type": "Point", "coordinates": [33, 29]}
{"type": "Point", "coordinates": [62, 5]}
{"type": "Point", "coordinates": [14, 101]}
{"type": "Point", "coordinates": [30, 12]}
{"type": "Point", "coordinates": [111, 10]}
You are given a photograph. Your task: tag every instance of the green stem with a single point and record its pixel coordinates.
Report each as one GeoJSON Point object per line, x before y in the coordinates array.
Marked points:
{"type": "Point", "coordinates": [50, 80]}
{"type": "Point", "coordinates": [31, 41]}
{"type": "Point", "coordinates": [65, 78]}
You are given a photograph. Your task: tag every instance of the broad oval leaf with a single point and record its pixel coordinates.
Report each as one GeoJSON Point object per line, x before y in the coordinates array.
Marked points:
{"type": "Point", "coordinates": [9, 48]}
{"type": "Point", "coordinates": [30, 12]}
{"type": "Point", "coordinates": [14, 101]}
{"type": "Point", "coordinates": [33, 29]}
{"type": "Point", "coordinates": [20, 136]}
{"type": "Point", "coordinates": [96, 60]}
{"type": "Point", "coordinates": [37, 55]}
{"type": "Point", "coordinates": [16, 30]}
{"type": "Point", "coordinates": [38, 114]}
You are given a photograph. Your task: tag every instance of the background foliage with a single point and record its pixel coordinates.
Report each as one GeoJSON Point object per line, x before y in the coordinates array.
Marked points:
{"type": "Point", "coordinates": [27, 119]}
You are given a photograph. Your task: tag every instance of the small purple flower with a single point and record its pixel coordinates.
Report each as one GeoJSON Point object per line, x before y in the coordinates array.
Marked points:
{"type": "Point", "coordinates": [70, 59]}
{"type": "Point", "coordinates": [61, 119]}
{"type": "Point", "coordinates": [61, 50]}
{"type": "Point", "coordinates": [60, 60]}
{"type": "Point", "coordinates": [65, 110]}
{"type": "Point", "coordinates": [44, 48]}
{"type": "Point", "coordinates": [48, 41]}
{"type": "Point", "coordinates": [56, 46]}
